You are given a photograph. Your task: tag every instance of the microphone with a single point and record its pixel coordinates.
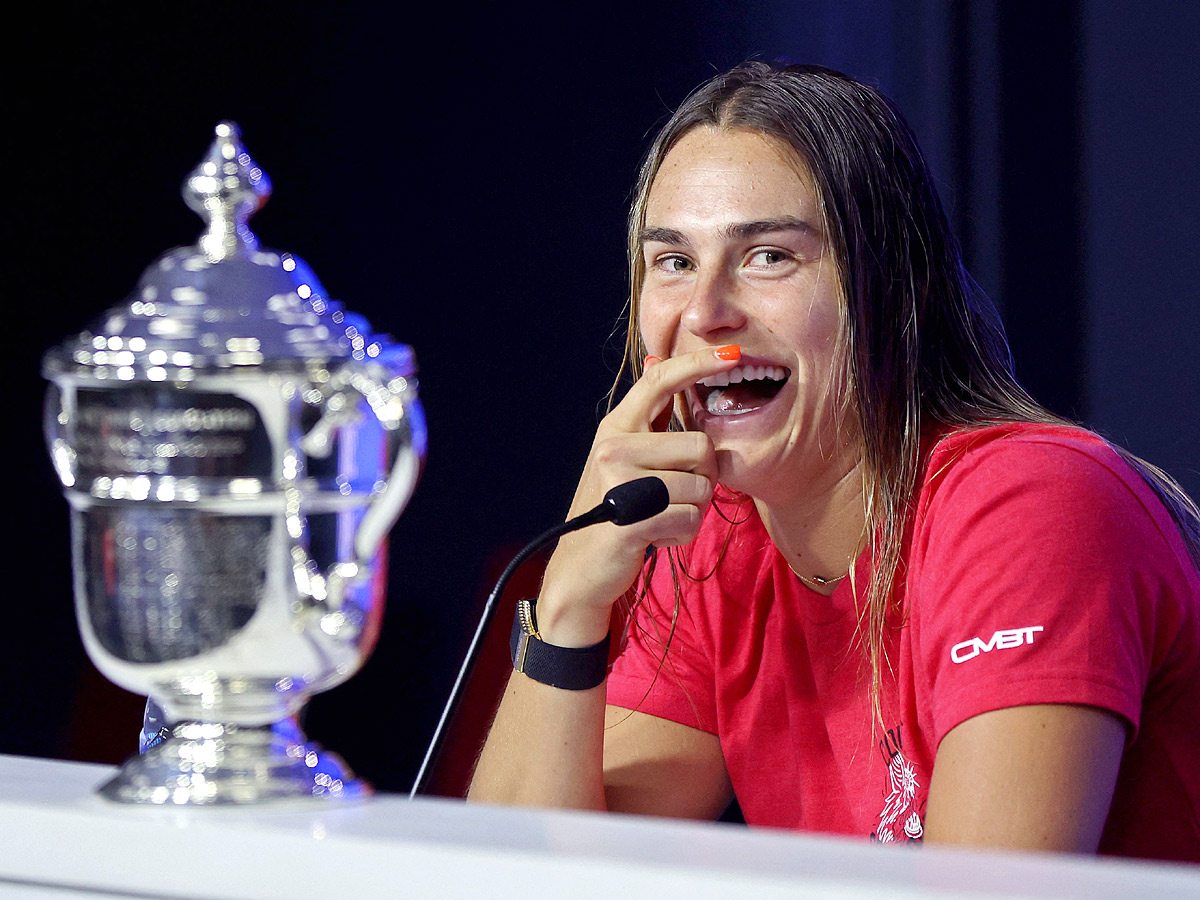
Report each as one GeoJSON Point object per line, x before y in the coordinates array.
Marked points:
{"type": "Point", "coordinates": [628, 503]}
{"type": "Point", "coordinates": [633, 501]}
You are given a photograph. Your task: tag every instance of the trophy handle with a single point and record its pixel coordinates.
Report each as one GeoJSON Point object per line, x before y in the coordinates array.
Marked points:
{"type": "Point", "coordinates": [398, 411]}
{"type": "Point", "coordinates": [395, 405]}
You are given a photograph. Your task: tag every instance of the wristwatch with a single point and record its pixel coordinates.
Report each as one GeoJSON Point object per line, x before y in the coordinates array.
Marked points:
{"type": "Point", "coordinates": [569, 668]}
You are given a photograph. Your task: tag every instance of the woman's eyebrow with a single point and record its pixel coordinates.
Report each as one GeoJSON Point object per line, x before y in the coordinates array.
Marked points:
{"type": "Point", "coordinates": [746, 230]}
{"type": "Point", "coordinates": [662, 236]}
{"type": "Point", "coordinates": [738, 231]}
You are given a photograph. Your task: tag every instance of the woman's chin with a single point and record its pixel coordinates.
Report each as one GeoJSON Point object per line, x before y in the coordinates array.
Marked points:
{"type": "Point", "coordinates": [780, 473]}
{"type": "Point", "coordinates": [741, 473]}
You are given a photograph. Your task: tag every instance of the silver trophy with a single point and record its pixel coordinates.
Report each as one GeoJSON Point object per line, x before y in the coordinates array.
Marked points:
{"type": "Point", "coordinates": [234, 447]}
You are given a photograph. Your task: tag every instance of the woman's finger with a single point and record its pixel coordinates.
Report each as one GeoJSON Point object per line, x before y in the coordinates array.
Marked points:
{"type": "Point", "coordinates": [663, 421]}
{"type": "Point", "coordinates": [675, 525]}
{"type": "Point", "coordinates": [622, 457]}
{"type": "Point", "coordinates": [687, 488]}
{"type": "Point", "coordinates": [654, 393]}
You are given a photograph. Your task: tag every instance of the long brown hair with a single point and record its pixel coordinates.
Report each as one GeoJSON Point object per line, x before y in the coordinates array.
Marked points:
{"type": "Point", "coordinates": [921, 344]}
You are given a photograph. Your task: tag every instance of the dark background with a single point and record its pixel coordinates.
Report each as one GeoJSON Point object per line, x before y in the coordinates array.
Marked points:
{"type": "Point", "coordinates": [463, 182]}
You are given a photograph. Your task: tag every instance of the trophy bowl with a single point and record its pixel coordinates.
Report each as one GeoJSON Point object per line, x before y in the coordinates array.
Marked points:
{"type": "Point", "coordinates": [234, 447]}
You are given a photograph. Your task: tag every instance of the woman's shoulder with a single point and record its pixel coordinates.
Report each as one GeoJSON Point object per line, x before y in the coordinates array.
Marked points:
{"type": "Point", "coordinates": [1015, 441]}
{"type": "Point", "coordinates": [1052, 459]}
{"type": "Point", "coordinates": [1053, 481]}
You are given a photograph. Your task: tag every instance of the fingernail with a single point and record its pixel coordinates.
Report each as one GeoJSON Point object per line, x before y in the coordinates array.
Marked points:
{"type": "Point", "coordinates": [649, 361]}
{"type": "Point", "coordinates": [728, 352]}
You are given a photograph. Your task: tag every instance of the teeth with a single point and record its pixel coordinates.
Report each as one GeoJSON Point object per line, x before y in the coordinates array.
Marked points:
{"type": "Point", "coordinates": [745, 373]}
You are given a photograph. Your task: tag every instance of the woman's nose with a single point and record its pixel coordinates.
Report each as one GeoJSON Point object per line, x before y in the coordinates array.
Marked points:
{"type": "Point", "coordinates": [712, 309]}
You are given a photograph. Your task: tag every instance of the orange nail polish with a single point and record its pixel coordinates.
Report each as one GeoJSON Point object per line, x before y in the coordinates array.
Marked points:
{"type": "Point", "coordinates": [728, 352]}
{"type": "Point", "coordinates": [649, 361]}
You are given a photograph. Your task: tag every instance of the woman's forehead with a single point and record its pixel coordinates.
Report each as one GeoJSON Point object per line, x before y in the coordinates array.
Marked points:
{"type": "Point", "coordinates": [716, 176]}
{"type": "Point", "coordinates": [734, 136]}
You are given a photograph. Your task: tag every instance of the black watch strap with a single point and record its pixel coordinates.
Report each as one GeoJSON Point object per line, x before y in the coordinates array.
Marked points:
{"type": "Point", "coordinates": [570, 668]}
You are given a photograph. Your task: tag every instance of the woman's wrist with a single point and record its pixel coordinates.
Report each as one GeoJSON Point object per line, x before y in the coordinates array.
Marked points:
{"type": "Point", "coordinates": [570, 624]}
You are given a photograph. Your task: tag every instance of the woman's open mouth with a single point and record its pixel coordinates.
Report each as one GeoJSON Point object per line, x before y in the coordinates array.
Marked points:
{"type": "Point", "coordinates": [741, 390]}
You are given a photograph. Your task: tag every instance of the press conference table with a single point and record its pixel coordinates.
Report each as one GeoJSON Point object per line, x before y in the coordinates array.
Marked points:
{"type": "Point", "coordinates": [59, 840]}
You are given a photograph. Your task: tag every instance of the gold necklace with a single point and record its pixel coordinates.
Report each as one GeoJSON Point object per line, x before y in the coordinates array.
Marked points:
{"type": "Point", "coordinates": [816, 582]}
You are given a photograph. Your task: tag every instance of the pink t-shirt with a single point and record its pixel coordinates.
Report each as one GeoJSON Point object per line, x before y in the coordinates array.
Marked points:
{"type": "Point", "coordinates": [1038, 568]}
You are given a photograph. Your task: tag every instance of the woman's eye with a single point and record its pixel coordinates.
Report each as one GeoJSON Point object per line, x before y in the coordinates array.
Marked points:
{"type": "Point", "coordinates": [674, 263]}
{"type": "Point", "coordinates": [768, 258]}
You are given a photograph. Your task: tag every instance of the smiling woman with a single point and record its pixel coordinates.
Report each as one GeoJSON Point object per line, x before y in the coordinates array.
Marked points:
{"type": "Point", "coordinates": [892, 596]}
{"type": "Point", "coordinates": [737, 252]}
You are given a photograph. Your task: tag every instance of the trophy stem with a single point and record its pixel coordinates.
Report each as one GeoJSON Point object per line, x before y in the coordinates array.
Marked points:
{"type": "Point", "coordinates": [208, 763]}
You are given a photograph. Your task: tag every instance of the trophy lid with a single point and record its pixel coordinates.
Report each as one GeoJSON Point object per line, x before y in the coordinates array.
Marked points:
{"type": "Point", "coordinates": [225, 302]}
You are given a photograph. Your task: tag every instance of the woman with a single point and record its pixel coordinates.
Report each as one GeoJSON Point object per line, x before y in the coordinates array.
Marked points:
{"type": "Point", "coordinates": [892, 596]}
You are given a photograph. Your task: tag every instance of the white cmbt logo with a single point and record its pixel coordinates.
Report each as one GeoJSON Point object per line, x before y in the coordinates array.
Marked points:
{"type": "Point", "coordinates": [1001, 640]}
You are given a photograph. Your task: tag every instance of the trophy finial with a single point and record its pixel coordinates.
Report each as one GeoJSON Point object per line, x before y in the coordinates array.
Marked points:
{"type": "Point", "coordinates": [226, 189]}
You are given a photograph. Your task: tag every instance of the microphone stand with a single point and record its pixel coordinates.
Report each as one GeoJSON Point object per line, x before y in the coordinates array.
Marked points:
{"type": "Point", "coordinates": [624, 504]}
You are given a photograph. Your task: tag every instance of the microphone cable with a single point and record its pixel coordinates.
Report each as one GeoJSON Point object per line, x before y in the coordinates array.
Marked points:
{"type": "Point", "coordinates": [633, 501]}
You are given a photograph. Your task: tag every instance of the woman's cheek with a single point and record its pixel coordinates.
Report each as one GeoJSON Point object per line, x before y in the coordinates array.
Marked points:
{"type": "Point", "coordinates": [655, 327]}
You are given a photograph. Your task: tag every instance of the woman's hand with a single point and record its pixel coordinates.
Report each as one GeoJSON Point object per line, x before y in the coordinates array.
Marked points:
{"type": "Point", "coordinates": [591, 568]}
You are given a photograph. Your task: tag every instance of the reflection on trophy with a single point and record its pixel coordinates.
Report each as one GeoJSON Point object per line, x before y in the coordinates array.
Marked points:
{"type": "Point", "coordinates": [234, 447]}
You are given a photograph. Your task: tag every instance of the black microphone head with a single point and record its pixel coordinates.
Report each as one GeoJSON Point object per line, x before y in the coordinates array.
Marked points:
{"type": "Point", "coordinates": [637, 500]}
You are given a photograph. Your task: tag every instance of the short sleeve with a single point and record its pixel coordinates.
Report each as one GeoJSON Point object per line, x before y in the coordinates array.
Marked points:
{"type": "Point", "coordinates": [665, 667]}
{"type": "Point", "coordinates": [1037, 577]}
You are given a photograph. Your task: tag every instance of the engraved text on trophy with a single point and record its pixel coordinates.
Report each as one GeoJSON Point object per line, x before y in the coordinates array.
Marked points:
{"type": "Point", "coordinates": [158, 430]}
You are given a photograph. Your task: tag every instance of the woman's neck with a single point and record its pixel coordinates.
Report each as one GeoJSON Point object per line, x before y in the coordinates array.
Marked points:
{"type": "Point", "coordinates": [820, 532]}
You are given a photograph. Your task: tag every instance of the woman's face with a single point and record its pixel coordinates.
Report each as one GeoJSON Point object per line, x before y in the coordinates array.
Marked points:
{"type": "Point", "coordinates": [735, 253]}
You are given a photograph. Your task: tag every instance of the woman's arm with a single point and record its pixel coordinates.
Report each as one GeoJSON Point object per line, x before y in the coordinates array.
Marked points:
{"type": "Point", "coordinates": [547, 745]}
{"type": "Point", "coordinates": [545, 748]}
{"type": "Point", "coordinates": [1030, 777]}
{"type": "Point", "coordinates": [663, 768]}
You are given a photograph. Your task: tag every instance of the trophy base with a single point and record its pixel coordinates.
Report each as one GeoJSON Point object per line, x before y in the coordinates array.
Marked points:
{"type": "Point", "coordinates": [209, 764]}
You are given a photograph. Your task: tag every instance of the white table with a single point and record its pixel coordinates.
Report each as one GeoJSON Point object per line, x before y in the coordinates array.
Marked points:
{"type": "Point", "coordinates": [59, 840]}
